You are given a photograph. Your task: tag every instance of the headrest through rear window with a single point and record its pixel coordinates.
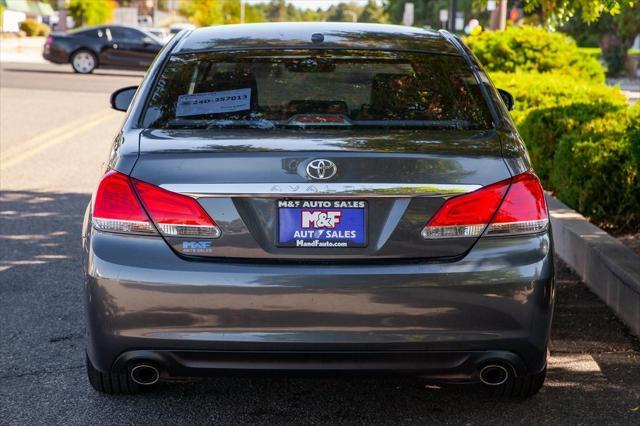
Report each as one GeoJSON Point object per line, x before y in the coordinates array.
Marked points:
{"type": "Point", "coordinates": [393, 94]}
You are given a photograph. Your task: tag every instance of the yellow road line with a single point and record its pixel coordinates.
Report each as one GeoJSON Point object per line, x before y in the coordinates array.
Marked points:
{"type": "Point", "coordinates": [42, 137]}
{"type": "Point", "coordinates": [55, 137]}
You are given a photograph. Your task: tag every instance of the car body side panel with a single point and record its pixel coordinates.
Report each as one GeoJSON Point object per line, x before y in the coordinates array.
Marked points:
{"type": "Point", "coordinates": [64, 45]}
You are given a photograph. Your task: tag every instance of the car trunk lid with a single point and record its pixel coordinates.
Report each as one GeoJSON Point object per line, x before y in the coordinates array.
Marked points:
{"type": "Point", "coordinates": [246, 179]}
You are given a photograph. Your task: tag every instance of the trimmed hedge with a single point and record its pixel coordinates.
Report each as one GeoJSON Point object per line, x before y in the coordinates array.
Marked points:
{"type": "Point", "coordinates": [534, 90]}
{"type": "Point", "coordinates": [584, 143]}
{"type": "Point", "coordinates": [525, 48]}
{"type": "Point", "coordinates": [549, 105]}
{"type": "Point", "coordinates": [582, 137]}
{"type": "Point", "coordinates": [595, 170]}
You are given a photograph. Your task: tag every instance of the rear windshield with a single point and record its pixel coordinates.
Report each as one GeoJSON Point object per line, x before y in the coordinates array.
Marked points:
{"type": "Point", "coordinates": [294, 89]}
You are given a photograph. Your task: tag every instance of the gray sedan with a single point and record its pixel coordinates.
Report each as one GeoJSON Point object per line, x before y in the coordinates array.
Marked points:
{"type": "Point", "coordinates": [318, 197]}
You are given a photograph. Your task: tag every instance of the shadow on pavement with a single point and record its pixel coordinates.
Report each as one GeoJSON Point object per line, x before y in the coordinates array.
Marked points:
{"type": "Point", "coordinates": [40, 281]}
{"type": "Point", "coordinates": [39, 228]}
{"type": "Point", "coordinates": [592, 377]}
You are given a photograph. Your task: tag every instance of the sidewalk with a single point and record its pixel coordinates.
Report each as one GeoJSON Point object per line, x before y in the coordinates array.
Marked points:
{"type": "Point", "coordinates": [608, 267]}
{"type": "Point", "coordinates": [22, 49]}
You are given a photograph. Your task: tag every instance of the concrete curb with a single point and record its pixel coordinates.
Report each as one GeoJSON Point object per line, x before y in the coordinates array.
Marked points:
{"type": "Point", "coordinates": [609, 268]}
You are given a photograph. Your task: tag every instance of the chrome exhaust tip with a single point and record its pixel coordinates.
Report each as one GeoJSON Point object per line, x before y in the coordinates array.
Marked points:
{"type": "Point", "coordinates": [494, 375]}
{"type": "Point", "coordinates": [144, 374]}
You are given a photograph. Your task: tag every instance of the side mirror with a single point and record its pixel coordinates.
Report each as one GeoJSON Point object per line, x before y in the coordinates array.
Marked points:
{"type": "Point", "coordinates": [121, 98]}
{"type": "Point", "coordinates": [148, 40]}
{"type": "Point", "coordinates": [507, 98]}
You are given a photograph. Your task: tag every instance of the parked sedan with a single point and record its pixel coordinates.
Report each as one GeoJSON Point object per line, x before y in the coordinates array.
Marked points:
{"type": "Point", "coordinates": [318, 197]}
{"type": "Point", "coordinates": [113, 46]}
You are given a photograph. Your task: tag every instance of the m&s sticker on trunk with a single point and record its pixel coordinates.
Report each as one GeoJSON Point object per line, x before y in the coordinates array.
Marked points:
{"type": "Point", "coordinates": [214, 102]}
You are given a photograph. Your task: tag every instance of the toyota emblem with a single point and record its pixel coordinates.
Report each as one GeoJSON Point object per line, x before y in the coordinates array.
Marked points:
{"type": "Point", "coordinates": [321, 169]}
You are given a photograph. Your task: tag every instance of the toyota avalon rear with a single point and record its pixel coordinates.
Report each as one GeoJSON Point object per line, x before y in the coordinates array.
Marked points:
{"type": "Point", "coordinates": [318, 198]}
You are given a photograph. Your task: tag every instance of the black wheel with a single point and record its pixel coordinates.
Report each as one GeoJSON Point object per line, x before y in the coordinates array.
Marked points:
{"type": "Point", "coordinates": [521, 387]}
{"type": "Point", "coordinates": [110, 383]}
{"type": "Point", "coordinates": [83, 61]}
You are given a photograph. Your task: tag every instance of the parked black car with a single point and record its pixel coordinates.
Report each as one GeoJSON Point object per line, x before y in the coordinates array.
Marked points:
{"type": "Point", "coordinates": [112, 46]}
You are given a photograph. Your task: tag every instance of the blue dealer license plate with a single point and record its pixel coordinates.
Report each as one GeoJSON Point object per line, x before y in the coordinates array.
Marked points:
{"type": "Point", "coordinates": [322, 223]}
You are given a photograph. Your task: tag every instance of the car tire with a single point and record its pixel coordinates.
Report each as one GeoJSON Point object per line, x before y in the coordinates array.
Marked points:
{"type": "Point", "coordinates": [110, 383]}
{"type": "Point", "coordinates": [521, 387]}
{"type": "Point", "coordinates": [83, 61]}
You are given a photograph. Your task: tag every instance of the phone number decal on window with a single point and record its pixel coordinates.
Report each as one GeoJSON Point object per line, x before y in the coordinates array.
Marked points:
{"type": "Point", "coordinates": [214, 102]}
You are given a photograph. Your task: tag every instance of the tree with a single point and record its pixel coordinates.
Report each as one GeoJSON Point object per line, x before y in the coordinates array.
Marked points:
{"type": "Point", "coordinates": [625, 25]}
{"type": "Point", "coordinates": [207, 12]}
{"type": "Point", "coordinates": [613, 33]}
{"type": "Point", "coordinates": [218, 12]}
{"type": "Point", "coordinates": [309, 15]}
{"type": "Point", "coordinates": [555, 12]}
{"type": "Point", "coordinates": [343, 12]}
{"type": "Point", "coordinates": [427, 11]}
{"type": "Point", "coordinates": [276, 11]}
{"type": "Point", "coordinates": [373, 12]}
{"type": "Point", "coordinates": [91, 12]}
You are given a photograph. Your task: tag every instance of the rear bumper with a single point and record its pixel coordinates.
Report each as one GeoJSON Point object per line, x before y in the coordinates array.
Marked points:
{"type": "Point", "coordinates": [456, 366]}
{"type": "Point", "coordinates": [435, 319]}
{"type": "Point", "coordinates": [55, 55]}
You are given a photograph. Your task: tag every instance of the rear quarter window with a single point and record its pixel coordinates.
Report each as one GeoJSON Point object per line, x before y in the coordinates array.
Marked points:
{"type": "Point", "coordinates": [92, 33]}
{"type": "Point", "coordinates": [125, 34]}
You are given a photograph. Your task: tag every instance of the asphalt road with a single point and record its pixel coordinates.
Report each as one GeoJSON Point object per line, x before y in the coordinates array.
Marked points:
{"type": "Point", "coordinates": [55, 131]}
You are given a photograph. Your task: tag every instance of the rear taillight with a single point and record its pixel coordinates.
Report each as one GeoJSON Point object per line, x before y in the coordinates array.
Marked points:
{"type": "Point", "coordinates": [121, 205]}
{"type": "Point", "coordinates": [117, 209]}
{"type": "Point", "coordinates": [175, 215]}
{"type": "Point", "coordinates": [509, 207]}
{"type": "Point", "coordinates": [49, 40]}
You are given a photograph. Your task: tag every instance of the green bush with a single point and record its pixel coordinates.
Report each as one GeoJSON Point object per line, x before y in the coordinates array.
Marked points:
{"type": "Point", "coordinates": [582, 137]}
{"type": "Point", "coordinates": [43, 30]}
{"type": "Point", "coordinates": [91, 12]}
{"type": "Point", "coordinates": [633, 131]}
{"type": "Point", "coordinates": [549, 105]}
{"type": "Point", "coordinates": [542, 130]}
{"type": "Point", "coordinates": [595, 170]}
{"type": "Point", "coordinates": [584, 143]}
{"type": "Point", "coordinates": [32, 28]}
{"type": "Point", "coordinates": [594, 52]}
{"type": "Point", "coordinates": [533, 90]}
{"type": "Point", "coordinates": [526, 48]}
